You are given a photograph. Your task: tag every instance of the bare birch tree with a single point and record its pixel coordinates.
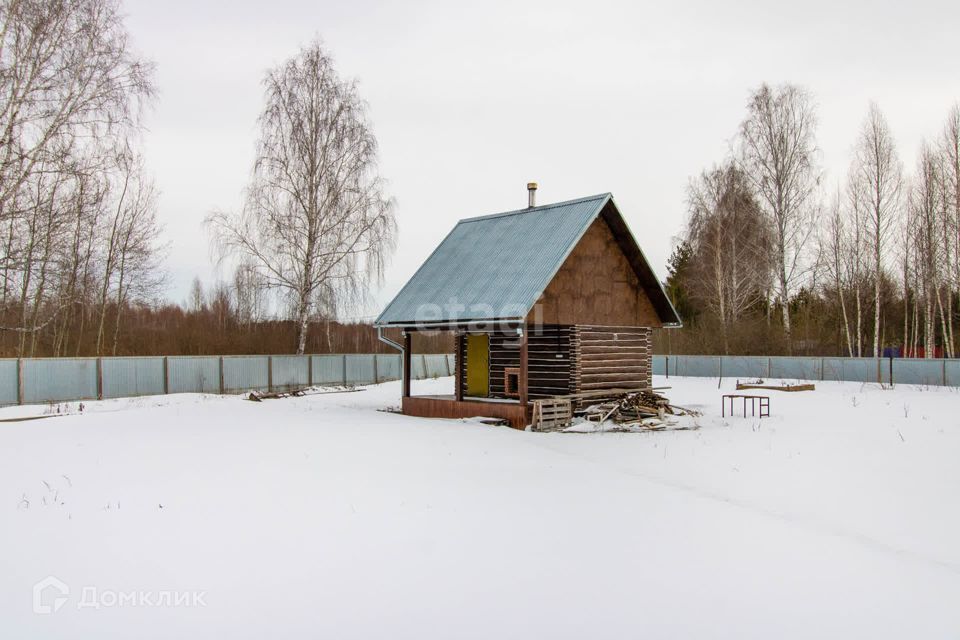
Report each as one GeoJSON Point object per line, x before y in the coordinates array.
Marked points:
{"type": "Point", "coordinates": [778, 154]}
{"type": "Point", "coordinates": [836, 256]}
{"type": "Point", "coordinates": [71, 91]}
{"type": "Point", "coordinates": [950, 153]}
{"type": "Point", "coordinates": [730, 239]}
{"type": "Point", "coordinates": [926, 206]}
{"type": "Point", "coordinates": [248, 293]}
{"type": "Point", "coordinates": [876, 178]}
{"type": "Point", "coordinates": [316, 221]}
{"type": "Point", "coordinates": [67, 75]}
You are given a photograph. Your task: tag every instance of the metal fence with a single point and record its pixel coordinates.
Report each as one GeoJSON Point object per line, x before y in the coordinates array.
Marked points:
{"type": "Point", "coordinates": [43, 380]}
{"type": "Point", "coordinates": [932, 372]}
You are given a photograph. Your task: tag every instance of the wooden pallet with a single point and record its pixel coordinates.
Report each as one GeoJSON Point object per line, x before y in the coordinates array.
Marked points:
{"type": "Point", "coordinates": [551, 414]}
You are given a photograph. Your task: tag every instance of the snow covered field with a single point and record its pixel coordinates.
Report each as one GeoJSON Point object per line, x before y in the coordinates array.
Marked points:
{"type": "Point", "coordinates": [200, 516]}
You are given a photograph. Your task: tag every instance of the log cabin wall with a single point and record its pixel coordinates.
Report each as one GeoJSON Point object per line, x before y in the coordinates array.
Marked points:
{"type": "Point", "coordinates": [504, 353]}
{"type": "Point", "coordinates": [565, 359]}
{"type": "Point", "coordinates": [460, 360]}
{"type": "Point", "coordinates": [611, 357]}
{"type": "Point", "coordinates": [548, 361]}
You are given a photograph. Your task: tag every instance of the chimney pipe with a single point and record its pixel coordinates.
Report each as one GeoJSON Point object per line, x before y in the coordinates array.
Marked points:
{"type": "Point", "coordinates": [531, 194]}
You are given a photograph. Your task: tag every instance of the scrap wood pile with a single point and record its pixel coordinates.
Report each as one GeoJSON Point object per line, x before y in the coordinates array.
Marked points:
{"type": "Point", "coordinates": [638, 411]}
{"type": "Point", "coordinates": [260, 396]}
{"type": "Point", "coordinates": [783, 386]}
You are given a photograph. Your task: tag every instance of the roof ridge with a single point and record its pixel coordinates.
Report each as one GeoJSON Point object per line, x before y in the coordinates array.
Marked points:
{"type": "Point", "coordinates": [542, 207]}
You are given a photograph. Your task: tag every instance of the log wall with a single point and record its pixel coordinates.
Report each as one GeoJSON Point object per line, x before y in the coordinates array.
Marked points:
{"type": "Point", "coordinates": [611, 357]}
{"type": "Point", "coordinates": [548, 361]}
{"type": "Point", "coordinates": [570, 359]}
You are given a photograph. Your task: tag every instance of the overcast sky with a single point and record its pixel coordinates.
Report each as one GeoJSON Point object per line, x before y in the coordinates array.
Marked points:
{"type": "Point", "coordinates": [471, 102]}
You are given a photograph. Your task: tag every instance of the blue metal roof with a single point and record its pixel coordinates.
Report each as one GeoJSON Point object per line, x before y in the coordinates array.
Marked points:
{"type": "Point", "coordinates": [495, 267]}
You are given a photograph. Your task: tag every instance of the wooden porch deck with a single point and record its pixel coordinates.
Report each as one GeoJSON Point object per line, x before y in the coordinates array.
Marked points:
{"type": "Point", "coordinates": [450, 407]}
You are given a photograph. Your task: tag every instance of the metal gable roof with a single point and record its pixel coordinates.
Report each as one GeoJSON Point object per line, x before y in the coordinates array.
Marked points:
{"type": "Point", "coordinates": [495, 267]}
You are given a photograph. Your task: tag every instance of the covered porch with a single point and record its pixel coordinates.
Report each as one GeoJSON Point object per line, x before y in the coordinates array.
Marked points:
{"type": "Point", "coordinates": [483, 385]}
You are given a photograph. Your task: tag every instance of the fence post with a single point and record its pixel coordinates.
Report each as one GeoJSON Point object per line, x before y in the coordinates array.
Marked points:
{"type": "Point", "coordinates": [423, 361]}
{"type": "Point", "coordinates": [821, 369]}
{"type": "Point", "coordinates": [309, 371]}
{"type": "Point", "coordinates": [19, 380]}
{"type": "Point", "coordinates": [666, 366]}
{"type": "Point", "coordinates": [446, 363]}
{"type": "Point", "coordinates": [891, 371]}
{"type": "Point", "coordinates": [269, 373]}
{"type": "Point", "coordinates": [376, 378]}
{"type": "Point", "coordinates": [166, 376]}
{"type": "Point", "coordinates": [943, 364]}
{"type": "Point", "coordinates": [720, 367]}
{"type": "Point", "coordinates": [99, 378]}
{"type": "Point", "coordinates": [769, 366]}
{"type": "Point", "coordinates": [343, 366]}
{"type": "Point", "coordinates": [221, 376]}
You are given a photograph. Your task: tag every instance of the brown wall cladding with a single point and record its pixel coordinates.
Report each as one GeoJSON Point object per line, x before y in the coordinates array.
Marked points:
{"type": "Point", "coordinates": [611, 357]}
{"type": "Point", "coordinates": [595, 285]}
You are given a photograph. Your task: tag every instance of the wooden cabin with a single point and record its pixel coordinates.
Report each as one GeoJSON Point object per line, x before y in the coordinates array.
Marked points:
{"type": "Point", "coordinates": [544, 302]}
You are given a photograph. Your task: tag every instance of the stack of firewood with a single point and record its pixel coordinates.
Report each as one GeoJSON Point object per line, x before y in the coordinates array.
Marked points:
{"type": "Point", "coordinates": [646, 409]}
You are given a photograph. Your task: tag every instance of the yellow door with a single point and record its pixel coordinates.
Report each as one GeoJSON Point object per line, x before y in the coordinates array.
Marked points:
{"type": "Point", "coordinates": [478, 361]}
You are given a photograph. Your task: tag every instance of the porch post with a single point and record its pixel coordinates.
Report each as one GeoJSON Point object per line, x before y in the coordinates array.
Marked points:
{"type": "Point", "coordinates": [523, 367]}
{"type": "Point", "coordinates": [406, 363]}
{"type": "Point", "coordinates": [458, 363]}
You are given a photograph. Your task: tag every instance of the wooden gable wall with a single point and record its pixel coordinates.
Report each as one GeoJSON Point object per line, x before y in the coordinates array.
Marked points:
{"type": "Point", "coordinates": [595, 286]}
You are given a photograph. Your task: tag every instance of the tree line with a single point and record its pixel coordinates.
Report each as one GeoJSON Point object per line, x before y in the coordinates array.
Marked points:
{"type": "Point", "coordinates": [773, 260]}
{"type": "Point", "coordinates": [81, 249]}
{"type": "Point", "coordinates": [79, 236]}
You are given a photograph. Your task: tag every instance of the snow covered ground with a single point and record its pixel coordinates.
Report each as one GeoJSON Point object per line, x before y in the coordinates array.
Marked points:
{"type": "Point", "coordinates": [201, 516]}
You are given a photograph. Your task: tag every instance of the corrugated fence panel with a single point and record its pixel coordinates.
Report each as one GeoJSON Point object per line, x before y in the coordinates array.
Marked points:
{"type": "Point", "coordinates": [744, 367]}
{"type": "Point", "coordinates": [435, 366]}
{"type": "Point", "coordinates": [883, 367]}
{"type": "Point", "coordinates": [917, 371]}
{"type": "Point", "coordinates": [831, 368]}
{"type": "Point", "coordinates": [65, 379]}
{"type": "Point", "coordinates": [418, 367]}
{"type": "Point", "coordinates": [388, 367]}
{"type": "Point", "coordinates": [128, 377]}
{"type": "Point", "coordinates": [794, 368]}
{"type": "Point", "coordinates": [659, 365]}
{"type": "Point", "coordinates": [290, 372]}
{"type": "Point", "coordinates": [59, 379]}
{"type": "Point", "coordinates": [194, 374]}
{"type": "Point", "coordinates": [695, 366]}
{"type": "Point", "coordinates": [328, 369]}
{"type": "Point", "coordinates": [861, 370]}
{"type": "Point", "coordinates": [360, 369]}
{"type": "Point", "coordinates": [8, 382]}
{"type": "Point", "coordinates": [244, 373]}
{"type": "Point", "coordinates": [952, 368]}
{"type": "Point", "coordinates": [853, 369]}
